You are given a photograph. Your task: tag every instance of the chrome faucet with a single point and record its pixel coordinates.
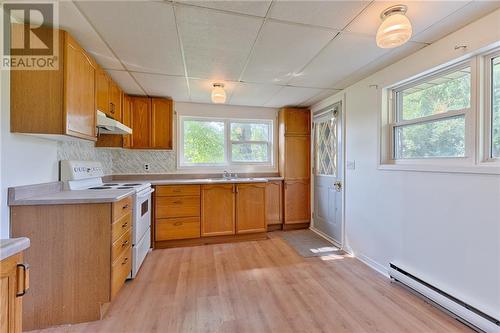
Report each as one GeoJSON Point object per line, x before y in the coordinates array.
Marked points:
{"type": "Point", "coordinates": [226, 174]}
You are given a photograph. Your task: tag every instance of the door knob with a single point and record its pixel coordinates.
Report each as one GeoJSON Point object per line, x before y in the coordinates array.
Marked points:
{"type": "Point", "coordinates": [338, 186]}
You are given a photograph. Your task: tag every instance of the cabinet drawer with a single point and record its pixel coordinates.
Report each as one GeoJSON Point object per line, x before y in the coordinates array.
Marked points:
{"type": "Point", "coordinates": [121, 244]}
{"type": "Point", "coordinates": [177, 207]}
{"type": "Point", "coordinates": [120, 270]}
{"type": "Point", "coordinates": [120, 226]}
{"type": "Point", "coordinates": [177, 190]}
{"type": "Point", "coordinates": [177, 228]}
{"type": "Point", "coordinates": [121, 208]}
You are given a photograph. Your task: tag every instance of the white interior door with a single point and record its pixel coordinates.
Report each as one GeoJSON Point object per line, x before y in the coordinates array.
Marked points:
{"type": "Point", "coordinates": [327, 173]}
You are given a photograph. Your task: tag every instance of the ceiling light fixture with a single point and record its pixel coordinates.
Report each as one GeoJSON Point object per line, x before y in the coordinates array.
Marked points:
{"type": "Point", "coordinates": [218, 93]}
{"type": "Point", "coordinates": [395, 29]}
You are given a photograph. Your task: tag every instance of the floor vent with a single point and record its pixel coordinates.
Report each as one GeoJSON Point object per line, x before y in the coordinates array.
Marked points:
{"type": "Point", "coordinates": [461, 310]}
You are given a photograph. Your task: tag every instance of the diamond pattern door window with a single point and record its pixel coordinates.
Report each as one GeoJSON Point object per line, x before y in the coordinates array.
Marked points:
{"type": "Point", "coordinates": [326, 147]}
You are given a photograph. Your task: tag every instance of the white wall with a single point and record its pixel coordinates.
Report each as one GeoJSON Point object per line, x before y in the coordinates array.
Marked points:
{"type": "Point", "coordinates": [442, 227]}
{"type": "Point", "coordinates": [24, 159]}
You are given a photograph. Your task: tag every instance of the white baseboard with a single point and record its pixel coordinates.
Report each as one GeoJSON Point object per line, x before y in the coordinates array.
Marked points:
{"type": "Point", "coordinates": [373, 264]}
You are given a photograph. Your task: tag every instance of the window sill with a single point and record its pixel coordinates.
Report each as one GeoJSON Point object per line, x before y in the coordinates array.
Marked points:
{"type": "Point", "coordinates": [482, 168]}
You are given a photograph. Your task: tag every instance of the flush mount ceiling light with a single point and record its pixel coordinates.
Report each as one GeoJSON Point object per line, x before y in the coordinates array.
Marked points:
{"type": "Point", "coordinates": [218, 93]}
{"type": "Point", "coordinates": [395, 29]}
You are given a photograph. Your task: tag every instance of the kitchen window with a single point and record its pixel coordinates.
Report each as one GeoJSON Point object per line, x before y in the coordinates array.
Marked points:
{"type": "Point", "coordinates": [492, 68]}
{"type": "Point", "coordinates": [430, 116]}
{"type": "Point", "coordinates": [213, 142]}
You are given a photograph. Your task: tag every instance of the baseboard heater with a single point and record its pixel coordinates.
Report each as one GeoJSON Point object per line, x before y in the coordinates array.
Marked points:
{"type": "Point", "coordinates": [461, 310]}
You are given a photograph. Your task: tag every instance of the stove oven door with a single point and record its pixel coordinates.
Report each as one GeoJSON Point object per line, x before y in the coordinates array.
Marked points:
{"type": "Point", "coordinates": [142, 214]}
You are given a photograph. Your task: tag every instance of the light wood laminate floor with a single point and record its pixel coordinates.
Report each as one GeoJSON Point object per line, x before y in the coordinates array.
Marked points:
{"type": "Point", "coordinates": [263, 286]}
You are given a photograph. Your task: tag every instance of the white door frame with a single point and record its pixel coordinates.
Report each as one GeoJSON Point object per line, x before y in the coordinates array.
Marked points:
{"type": "Point", "coordinates": [338, 99]}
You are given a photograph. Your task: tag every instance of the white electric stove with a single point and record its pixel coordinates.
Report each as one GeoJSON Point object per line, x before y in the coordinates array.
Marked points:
{"type": "Point", "coordinates": [87, 175]}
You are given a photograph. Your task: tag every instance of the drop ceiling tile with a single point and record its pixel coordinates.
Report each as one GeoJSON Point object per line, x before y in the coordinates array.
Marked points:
{"type": "Point", "coordinates": [71, 20]}
{"type": "Point", "coordinates": [332, 14]}
{"type": "Point", "coordinates": [174, 87]}
{"type": "Point", "coordinates": [216, 45]}
{"type": "Point", "coordinates": [143, 34]}
{"type": "Point", "coordinates": [319, 97]}
{"type": "Point", "coordinates": [257, 8]}
{"type": "Point", "coordinates": [201, 90]}
{"type": "Point", "coordinates": [422, 14]}
{"type": "Point", "coordinates": [343, 56]}
{"type": "Point", "coordinates": [292, 96]}
{"type": "Point", "coordinates": [385, 60]}
{"type": "Point", "coordinates": [465, 15]}
{"type": "Point", "coordinates": [253, 94]}
{"type": "Point", "coordinates": [126, 82]}
{"type": "Point", "coordinates": [282, 50]}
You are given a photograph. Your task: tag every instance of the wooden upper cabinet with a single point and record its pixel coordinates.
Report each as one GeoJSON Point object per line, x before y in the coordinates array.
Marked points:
{"type": "Point", "coordinates": [126, 119]}
{"type": "Point", "coordinates": [56, 102]}
{"type": "Point", "coordinates": [297, 157]}
{"type": "Point", "coordinates": [102, 85]}
{"type": "Point", "coordinates": [161, 120]}
{"type": "Point", "coordinates": [115, 101]}
{"type": "Point", "coordinates": [217, 210]}
{"type": "Point", "coordinates": [79, 91]}
{"type": "Point", "coordinates": [250, 208]}
{"type": "Point", "coordinates": [141, 122]}
{"type": "Point", "coordinates": [297, 121]}
{"type": "Point", "coordinates": [274, 205]}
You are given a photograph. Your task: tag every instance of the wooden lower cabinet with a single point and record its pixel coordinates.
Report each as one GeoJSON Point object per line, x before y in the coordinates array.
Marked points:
{"type": "Point", "coordinates": [296, 201]}
{"type": "Point", "coordinates": [217, 210]}
{"type": "Point", "coordinates": [274, 205]}
{"type": "Point", "coordinates": [80, 256]}
{"type": "Point", "coordinates": [177, 228]}
{"type": "Point", "coordinates": [13, 283]}
{"type": "Point", "coordinates": [250, 208]}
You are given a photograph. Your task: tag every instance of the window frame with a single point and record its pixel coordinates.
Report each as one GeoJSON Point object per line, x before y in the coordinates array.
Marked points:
{"type": "Point", "coordinates": [228, 162]}
{"type": "Point", "coordinates": [487, 147]}
{"type": "Point", "coordinates": [269, 142]}
{"type": "Point", "coordinates": [396, 108]}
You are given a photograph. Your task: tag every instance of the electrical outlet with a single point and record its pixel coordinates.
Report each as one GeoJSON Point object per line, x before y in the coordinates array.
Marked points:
{"type": "Point", "coordinates": [146, 166]}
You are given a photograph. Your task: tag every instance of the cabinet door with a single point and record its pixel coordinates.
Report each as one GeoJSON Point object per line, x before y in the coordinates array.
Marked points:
{"type": "Point", "coordinates": [115, 101]}
{"type": "Point", "coordinates": [102, 91]}
{"type": "Point", "coordinates": [297, 121]}
{"type": "Point", "coordinates": [161, 123]}
{"type": "Point", "coordinates": [79, 71]}
{"type": "Point", "coordinates": [217, 210]}
{"type": "Point", "coordinates": [126, 119]}
{"type": "Point", "coordinates": [141, 122]}
{"type": "Point", "coordinates": [10, 304]}
{"type": "Point", "coordinates": [273, 202]}
{"type": "Point", "coordinates": [250, 208]}
{"type": "Point", "coordinates": [296, 201]}
{"type": "Point", "coordinates": [297, 157]}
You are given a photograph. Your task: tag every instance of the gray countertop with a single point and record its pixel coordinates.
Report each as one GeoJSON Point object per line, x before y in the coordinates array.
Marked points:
{"type": "Point", "coordinates": [73, 197]}
{"type": "Point", "coordinates": [11, 246]}
{"type": "Point", "coordinates": [211, 181]}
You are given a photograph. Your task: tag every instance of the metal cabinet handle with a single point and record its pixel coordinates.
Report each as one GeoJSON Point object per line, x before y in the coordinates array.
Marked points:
{"type": "Point", "coordinates": [125, 207]}
{"type": "Point", "coordinates": [112, 109]}
{"type": "Point", "coordinates": [125, 261]}
{"type": "Point", "coordinates": [125, 243]}
{"type": "Point", "coordinates": [124, 224]}
{"type": "Point", "coordinates": [177, 202]}
{"type": "Point", "coordinates": [176, 191]}
{"type": "Point", "coordinates": [25, 280]}
{"type": "Point", "coordinates": [177, 224]}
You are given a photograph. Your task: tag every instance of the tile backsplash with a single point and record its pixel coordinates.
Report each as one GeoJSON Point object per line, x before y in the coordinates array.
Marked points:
{"type": "Point", "coordinates": [118, 161]}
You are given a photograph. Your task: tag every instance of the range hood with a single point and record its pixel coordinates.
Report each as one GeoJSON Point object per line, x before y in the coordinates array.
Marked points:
{"type": "Point", "coordinates": [107, 125]}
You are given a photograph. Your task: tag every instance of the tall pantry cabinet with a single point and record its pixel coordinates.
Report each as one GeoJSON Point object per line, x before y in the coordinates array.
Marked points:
{"type": "Point", "coordinates": [294, 165]}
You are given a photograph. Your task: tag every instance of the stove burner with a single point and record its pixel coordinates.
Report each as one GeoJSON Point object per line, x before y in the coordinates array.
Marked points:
{"type": "Point", "coordinates": [110, 184]}
{"type": "Point", "coordinates": [124, 187]}
{"type": "Point", "coordinates": [99, 188]}
{"type": "Point", "coordinates": [131, 184]}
